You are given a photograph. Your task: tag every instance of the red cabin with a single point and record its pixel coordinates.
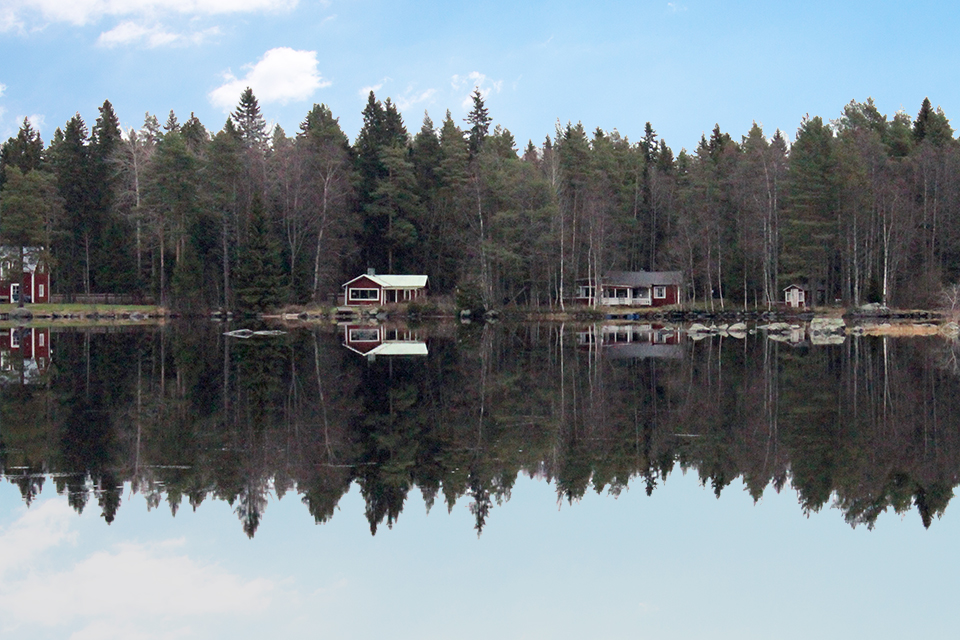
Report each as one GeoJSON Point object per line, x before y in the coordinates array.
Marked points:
{"type": "Point", "coordinates": [33, 284]}
{"type": "Point", "coordinates": [373, 289]}
{"type": "Point", "coordinates": [631, 288]}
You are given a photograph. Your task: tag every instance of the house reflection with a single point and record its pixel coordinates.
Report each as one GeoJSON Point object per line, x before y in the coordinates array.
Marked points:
{"type": "Point", "coordinates": [383, 340]}
{"type": "Point", "coordinates": [24, 354]}
{"type": "Point", "coordinates": [632, 341]}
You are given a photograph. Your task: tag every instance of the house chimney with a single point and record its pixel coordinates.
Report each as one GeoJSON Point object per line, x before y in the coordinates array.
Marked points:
{"type": "Point", "coordinates": [371, 271]}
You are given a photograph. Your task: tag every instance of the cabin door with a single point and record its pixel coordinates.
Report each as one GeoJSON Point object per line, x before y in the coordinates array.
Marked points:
{"type": "Point", "coordinates": [14, 292]}
{"type": "Point", "coordinates": [391, 296]}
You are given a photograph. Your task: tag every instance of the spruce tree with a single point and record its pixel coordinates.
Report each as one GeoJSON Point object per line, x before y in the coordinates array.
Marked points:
{"type": "Point", "coordinates": [25, 151]}
{"type": "Point", "coordinates": [479, 120]}
{"type": "Point", "coordinates": [70, 158]}
{"type": "Point", "coordinates": [249, 121]}
{"type": "Point", "coordinates": [920, 124]}
{"type": "Point", "coordinates": [259, 273]}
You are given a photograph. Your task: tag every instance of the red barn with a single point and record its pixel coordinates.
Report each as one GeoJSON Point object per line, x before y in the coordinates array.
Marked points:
{"type": "Point", "coordinates": [632, 288]}
{"type": "Point", "coordinates": [373, 289]}
{"type": "Point", "coordinates": [33, 284]}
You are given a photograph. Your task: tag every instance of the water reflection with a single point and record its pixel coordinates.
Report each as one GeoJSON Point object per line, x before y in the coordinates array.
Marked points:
{"type": "Point", "coordinates": [185, 413]}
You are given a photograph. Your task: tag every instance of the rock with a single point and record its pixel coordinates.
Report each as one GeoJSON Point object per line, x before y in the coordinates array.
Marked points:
{"type": "Point", "coordinates": [827, 326]}
{"type": "Point", "coordinates": [951, 330]}
{"type": "Point", "coordinates": [776, 327]}
{"type": "Point", "coordinates": [738, 327]}
{"type": "Point", "coordinates": [827, 338]}
{"type": "Point", "coordinates": [20, 313]}
{"type": "Point", "coordinates": [873, 309]}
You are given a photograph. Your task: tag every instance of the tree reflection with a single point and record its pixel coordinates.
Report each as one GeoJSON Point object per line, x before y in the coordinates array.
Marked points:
{"type": "Point", "coordinates": [184, 412]}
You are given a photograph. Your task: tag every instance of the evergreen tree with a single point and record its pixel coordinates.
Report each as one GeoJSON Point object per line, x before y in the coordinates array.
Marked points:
{"type": "Point", "coordinates": [259, 274]}
{"type": "Point", "coordinates": [112, 258]}
{"type": "Point", "coordinates": [72, 241]}
{"type": "Point", "coordinates": [224, 171]}
{"type": "Point", "coordinates": [249, 121]}
{"type": "Point", "coordinates": [171, 125]}
{"type": "Point", "coordinates": [810, 227]}
{"type": "Point", "coordinates": [195, 135]}
{"type": "Point", "coordinates": [172, 195]}
{"type": "Point", "coordinates": [920, 124]}
{"type": "Point", "coordinates": [479, 120]}
{"type": "Point", "coordinates": [25, 151]}
{"type": "Point", "coordinates": [28, 206]}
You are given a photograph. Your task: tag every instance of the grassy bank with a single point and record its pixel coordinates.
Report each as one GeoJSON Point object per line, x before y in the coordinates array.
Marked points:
{"type": "Point", "coordinates": [75, 311]}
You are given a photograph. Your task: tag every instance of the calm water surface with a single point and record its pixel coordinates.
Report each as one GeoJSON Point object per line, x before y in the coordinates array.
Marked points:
{"type": "Point", "coordinates": [526, 481]}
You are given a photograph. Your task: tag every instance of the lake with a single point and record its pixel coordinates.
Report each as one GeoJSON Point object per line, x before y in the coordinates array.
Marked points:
{"type": "Point", "coordinates": [475, 481]}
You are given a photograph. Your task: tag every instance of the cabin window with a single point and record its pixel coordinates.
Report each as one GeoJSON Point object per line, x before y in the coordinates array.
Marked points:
{"type": "Point", "coordinates": [39, 291]}
{"type": "Point", "coordinates": [14, 339]}
{"type": "Point", "coordinates": [41, 339]}
{"type": "Point", "coordinates": [364, 335]}
{"type": "Point", "coordinates": [660, 292]}
{"type": "Point", "coordinates": [364, 294]}
{"type": "Point", "coordinates": [585, 291]}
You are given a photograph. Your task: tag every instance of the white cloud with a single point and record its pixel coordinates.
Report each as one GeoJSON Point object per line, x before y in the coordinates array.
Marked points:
{"type": "Point", "coordinates": [164, 586]}
{"type": "Point", "coordinates": [281, 75]}
{"type": "Point", "coordinates": [127, 33]}
{"type": "Point", "coordinates": [365, 91]}
{"type": "Point", "coordinates": [411, 98]}
{"type": "Point", "coordinates": [475, 80]}
{"type": "Point", "coordinates": [37, 120]}
{"type": "Point", "coordinates": [13, 13]}
{"type": "Point", "coordinates": [3, 88]}
{"type": "Point", "coordinates": [36, 531]}
{"type": "Point", "coordinates": [676, 8]}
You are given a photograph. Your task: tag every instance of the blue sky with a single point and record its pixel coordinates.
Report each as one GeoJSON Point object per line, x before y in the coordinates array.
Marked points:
{"type": "Point", "coordinates": [682, 65]}
{"type": "Point", "coordinates": [679, 564]}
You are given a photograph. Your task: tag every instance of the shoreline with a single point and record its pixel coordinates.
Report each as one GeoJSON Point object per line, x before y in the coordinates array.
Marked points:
{"type": "Point", "coordinates": [871, 320]}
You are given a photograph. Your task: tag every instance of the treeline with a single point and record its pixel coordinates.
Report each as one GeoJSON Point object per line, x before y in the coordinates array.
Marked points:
{"type": "Point", "coordinates": [186, 414]}
{"type": "Point", "coordinates": [860, 209]}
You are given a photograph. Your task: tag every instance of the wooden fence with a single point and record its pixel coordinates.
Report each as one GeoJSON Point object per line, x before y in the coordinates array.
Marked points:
{"type": "Point", "coordinates": [101, 298]}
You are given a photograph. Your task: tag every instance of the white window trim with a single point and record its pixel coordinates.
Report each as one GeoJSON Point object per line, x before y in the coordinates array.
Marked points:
{"type": "Point", "coordinates": [355, 291]}
{"type": "Point", "coordinates": [659, 291]}
{"type": "Point", "coordinates": [39, 291]}
{"type": "Point", "coordinates": [357, 335]}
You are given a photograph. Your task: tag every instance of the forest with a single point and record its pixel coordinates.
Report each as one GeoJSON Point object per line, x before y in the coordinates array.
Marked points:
{"type": "Point", "coordinates": [861, 208]}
